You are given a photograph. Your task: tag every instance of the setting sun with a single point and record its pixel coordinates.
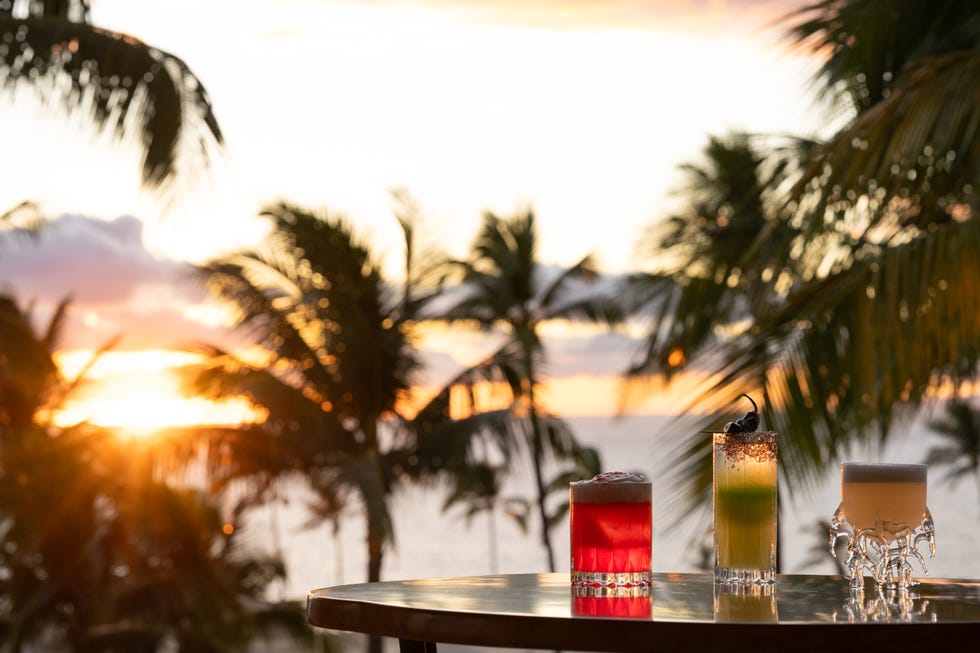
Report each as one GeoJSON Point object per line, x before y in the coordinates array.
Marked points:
{"type": "Point", "coordinates": [139, 393]}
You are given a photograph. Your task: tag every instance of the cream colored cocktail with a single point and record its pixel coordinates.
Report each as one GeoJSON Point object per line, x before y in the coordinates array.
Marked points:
{"type": "Point", "coordinates": [883, 517]}
{"type": "Point", "coordinates": [885, 498]}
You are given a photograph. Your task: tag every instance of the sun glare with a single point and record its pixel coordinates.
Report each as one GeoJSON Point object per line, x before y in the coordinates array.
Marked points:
{"type": "Point", "coordinates": [139, 394]}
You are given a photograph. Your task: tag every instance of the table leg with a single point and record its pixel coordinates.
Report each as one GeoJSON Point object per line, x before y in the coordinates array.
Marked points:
{"type": "Point", "coordinates": [413, 646]}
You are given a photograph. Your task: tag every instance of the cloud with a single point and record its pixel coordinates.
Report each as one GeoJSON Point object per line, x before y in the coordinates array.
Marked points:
{"type": "Point", "coordinates": [93, 260]}
{"type": "Point", "coordinates": [115, 285]}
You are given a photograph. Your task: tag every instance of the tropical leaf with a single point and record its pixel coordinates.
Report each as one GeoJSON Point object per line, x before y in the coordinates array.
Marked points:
{"type": "Point", "coordinates": [865, 45]}
{"type": "Point", "coordinates": [857, 297]}
{"type": "Point", "coordinates": [130, 88]}
{"type": "Point", "coordinates": [960, 429]}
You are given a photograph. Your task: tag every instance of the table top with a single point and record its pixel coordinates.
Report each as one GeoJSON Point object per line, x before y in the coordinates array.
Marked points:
{"type": "Point", "coordinates": [683, 611]}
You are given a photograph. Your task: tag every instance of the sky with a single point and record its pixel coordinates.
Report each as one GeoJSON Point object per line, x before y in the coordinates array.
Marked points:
{"type": "Point", "coordinates": [581, 111]}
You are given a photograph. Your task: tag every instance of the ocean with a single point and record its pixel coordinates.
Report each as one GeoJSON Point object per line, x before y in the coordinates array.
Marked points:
{"type": "Point", "coordinates": [431, 543]}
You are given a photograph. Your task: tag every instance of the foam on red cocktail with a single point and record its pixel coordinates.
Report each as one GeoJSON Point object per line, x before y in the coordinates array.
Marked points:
{"type": "Point", "coordinates": [611, 524]}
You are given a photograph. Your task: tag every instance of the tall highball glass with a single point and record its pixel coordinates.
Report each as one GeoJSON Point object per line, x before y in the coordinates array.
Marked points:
{"type": "Point", "coordinates": [744, 507]}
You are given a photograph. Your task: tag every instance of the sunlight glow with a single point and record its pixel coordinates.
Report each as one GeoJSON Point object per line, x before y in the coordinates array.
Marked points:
{"type": "Point", "coordinates": [139, 394]}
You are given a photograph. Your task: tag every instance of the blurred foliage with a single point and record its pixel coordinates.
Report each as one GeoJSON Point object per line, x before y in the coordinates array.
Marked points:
{"type": "Point", "coordinates": [129, 88]}
{"type": "Point", "coordinates": [839, 277]}
{"type": "Point", "coordinates": [959, 429]}
{"type": "Point", "coordinates": [102, 548]}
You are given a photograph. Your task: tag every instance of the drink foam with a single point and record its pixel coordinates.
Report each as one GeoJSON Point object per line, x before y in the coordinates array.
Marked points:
{"type": "Point", "coordinates": [882, 473]}
{"type": "Point", "coordinates": [613, 487]}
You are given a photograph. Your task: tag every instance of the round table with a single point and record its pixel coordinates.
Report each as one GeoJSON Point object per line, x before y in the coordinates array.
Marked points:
{"type": "Point", "coordinates": [681, 612]}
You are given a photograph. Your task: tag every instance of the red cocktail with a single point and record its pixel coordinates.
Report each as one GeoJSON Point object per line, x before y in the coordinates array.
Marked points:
{"type": "Point", "coordinates": [611, 530]}
{"type": "Point", "coordinates": [620, 602]}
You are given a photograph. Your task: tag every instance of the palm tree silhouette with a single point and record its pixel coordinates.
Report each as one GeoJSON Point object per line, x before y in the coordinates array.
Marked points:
{"type": "Point", "coordinates": [705, 288]}
{"type": "Point", "coordinates": [337, 379]}
{"type": "Point", "coordinates": [102, 550]}
{"type": "Point", "coordinates": [130, 88]}
{"type": "Point", "coordinates": [339, 362]}
{"type": "Point", "coordinates": [857, 295]}
{"type": "Point", "coordinates": [860, 295]}
{"type": "Point", "coordinates": [337, 376]}
{"type": "Point", "coordinates": [505, 287]}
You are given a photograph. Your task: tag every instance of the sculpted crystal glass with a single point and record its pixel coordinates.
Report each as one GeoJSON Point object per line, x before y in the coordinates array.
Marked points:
{"type": "Point", "coordinates": [883, 518]}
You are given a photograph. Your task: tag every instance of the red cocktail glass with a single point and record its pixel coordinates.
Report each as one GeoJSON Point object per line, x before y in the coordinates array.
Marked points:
{"type": "Point", "coordinates": [611, 531]}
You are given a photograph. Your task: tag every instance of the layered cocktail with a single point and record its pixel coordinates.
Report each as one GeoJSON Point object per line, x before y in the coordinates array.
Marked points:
{"type": "Point", "coordinates": [744, 507]}
{"type": "Point", "coordinates": [611, 531]}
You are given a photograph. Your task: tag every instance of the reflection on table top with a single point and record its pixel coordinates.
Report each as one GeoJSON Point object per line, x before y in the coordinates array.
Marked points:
{"type": "Point", "coordinates": [540, 611]}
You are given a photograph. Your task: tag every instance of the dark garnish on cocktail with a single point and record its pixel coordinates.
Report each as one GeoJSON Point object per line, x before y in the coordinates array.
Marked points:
{"type": "Point", "coordinates": [748, 423]}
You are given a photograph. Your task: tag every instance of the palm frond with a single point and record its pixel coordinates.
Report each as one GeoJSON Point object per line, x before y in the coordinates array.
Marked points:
{"type": "Point", "coordinates": [866, 45]}
{"type": "Point", "coordinates": [24, 219]}
{"type": "Point", "coordinates": [132, 89]}
{"type": "Point", "coordinates": [914, 156]}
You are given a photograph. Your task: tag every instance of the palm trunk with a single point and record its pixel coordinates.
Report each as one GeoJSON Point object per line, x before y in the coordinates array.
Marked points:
{"type": "Point", "coordinates": [376, 528]}
{"type": "Point", "coordinates": [375, 540]}
{"type": "Point", "coordinates": [492, 536]}
{"type": "Point", "coordinates": [375, 553]}
{"type": "Point", "coordinates": [277, 541]}
{"type": "Point", "coordinates": [977, 474]}
{"type": "Point", "coordinates": [537, 452]}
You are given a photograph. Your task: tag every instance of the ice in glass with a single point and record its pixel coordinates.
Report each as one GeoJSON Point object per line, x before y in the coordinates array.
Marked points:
{"type": "Point", "coordinates": [611, 530]}
{"type": "Point", "coordinates": [744, 507]}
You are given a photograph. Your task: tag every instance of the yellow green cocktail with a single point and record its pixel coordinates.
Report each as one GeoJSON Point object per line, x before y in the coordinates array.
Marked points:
{"type": "Point", "coordinates": [744, 507]}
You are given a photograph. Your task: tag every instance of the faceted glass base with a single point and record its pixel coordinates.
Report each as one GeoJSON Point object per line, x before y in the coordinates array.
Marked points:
{"type": "Point", "coordinates": [610, 579]}
{"type": "Point", "coordinates": [745, 576]}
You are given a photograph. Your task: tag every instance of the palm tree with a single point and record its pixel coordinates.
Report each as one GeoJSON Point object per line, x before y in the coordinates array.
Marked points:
{"type": "Point", "coordinates": [336, 379]}
{"type": "Point", "coordinates": [863, 294]}
{"type": "Point", "coordinates": [960, 428]}
{"type": "Point", "coordinates": [130, 88]}
{"type": "Point", "coordinates": [338, 364]}
{"type": "Point", "coordinates": [101, 552]}
{"type": "Point", "coordinates": [504, 286]}
{"type": "Point", "coordinates": [707, 284]}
